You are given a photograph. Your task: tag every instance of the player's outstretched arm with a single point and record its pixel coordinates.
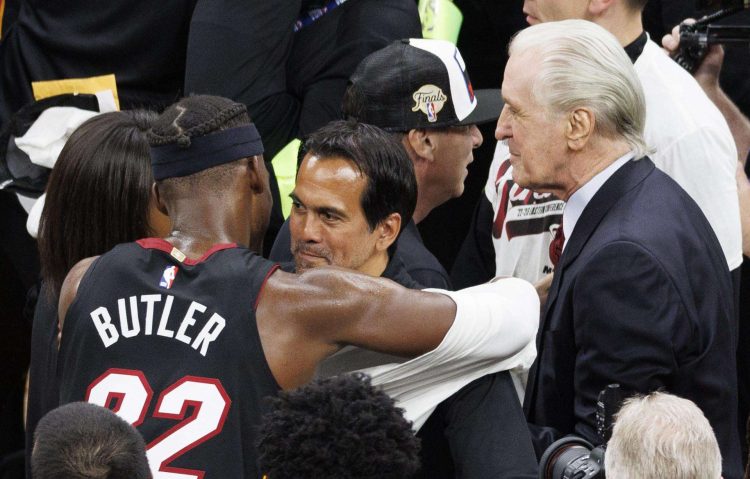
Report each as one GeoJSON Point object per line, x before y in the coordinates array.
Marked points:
{"type": "Point", "coordinates": [310, 316]}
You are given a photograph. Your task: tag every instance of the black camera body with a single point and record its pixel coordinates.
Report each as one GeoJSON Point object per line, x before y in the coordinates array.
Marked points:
{"type": "Point", "coordinates": [573, 457]}
{"type": "Point", "coordinates": [696, 38]}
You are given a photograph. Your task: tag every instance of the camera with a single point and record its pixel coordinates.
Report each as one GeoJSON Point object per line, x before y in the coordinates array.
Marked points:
{"type": "Point", "coordinates": [696, 38]}
{"type": "Point", "coordinates": [573, 457]}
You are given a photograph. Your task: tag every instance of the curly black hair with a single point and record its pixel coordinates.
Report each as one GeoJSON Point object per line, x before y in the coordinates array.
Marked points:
{"type": "Point", "coordinates": [338, 427]}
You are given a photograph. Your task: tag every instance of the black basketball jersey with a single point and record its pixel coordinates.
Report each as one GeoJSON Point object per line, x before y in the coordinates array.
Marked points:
{"type": "Point", "coordinates": [172, 346]}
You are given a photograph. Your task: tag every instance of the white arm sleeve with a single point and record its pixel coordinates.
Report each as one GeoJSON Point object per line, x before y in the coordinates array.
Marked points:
{"type": "Point", "coordinates": [494, 330]}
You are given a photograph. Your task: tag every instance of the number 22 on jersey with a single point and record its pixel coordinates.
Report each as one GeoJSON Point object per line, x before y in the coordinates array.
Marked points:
{"type": "Point", "coordinates": [132, 395]}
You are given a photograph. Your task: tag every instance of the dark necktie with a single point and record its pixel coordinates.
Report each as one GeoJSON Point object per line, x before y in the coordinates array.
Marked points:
{"type": "Point", "coordinates": [556, 247]}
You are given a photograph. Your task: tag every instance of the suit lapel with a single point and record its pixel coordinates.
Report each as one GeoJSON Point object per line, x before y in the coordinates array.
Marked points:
{"type": "Point", "coordinates": [623, 180]}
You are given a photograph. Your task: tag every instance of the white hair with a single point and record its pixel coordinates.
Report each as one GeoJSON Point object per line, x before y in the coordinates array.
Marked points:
{"type": "Point", "coordinates": [582, 64]}
{"type": "Point", "coordinates": [659, 436]}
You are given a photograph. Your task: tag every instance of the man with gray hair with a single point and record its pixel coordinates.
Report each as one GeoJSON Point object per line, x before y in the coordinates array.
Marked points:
{"type": "Point", "coordinates": [661, 435]}
{"type": "Point", "coordinates": [513, 227]}
{"type": "Point", "coordinates": [641, 291]}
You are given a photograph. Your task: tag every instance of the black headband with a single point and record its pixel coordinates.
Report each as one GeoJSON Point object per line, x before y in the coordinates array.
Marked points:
{"type": "Point", "coordinates": [173, 160]}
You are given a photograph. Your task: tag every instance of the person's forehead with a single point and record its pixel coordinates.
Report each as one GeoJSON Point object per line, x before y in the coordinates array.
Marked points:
{"type": "Point", "coordinates": [333, 182]}
{"type": "Point", "coordinates": [520, 72]}
{"type": "Point", "coordinates": [329, 168]}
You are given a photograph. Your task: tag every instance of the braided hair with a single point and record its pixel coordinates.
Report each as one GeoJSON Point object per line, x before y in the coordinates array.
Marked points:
{"type": "Point", "coordinates": [192, 117]}
{"type": "Point", "coordinates": [195, 116]}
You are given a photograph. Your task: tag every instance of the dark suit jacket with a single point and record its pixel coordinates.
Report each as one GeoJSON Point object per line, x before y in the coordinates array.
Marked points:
{"type": "Point", "coordinates": [641, 297]}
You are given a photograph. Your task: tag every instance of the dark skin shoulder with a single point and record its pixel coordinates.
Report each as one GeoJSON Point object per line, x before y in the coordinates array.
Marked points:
{"type": "Point", "coordinates": [304, 318]}
{"type": "Point", "coordinates": [69, 290]}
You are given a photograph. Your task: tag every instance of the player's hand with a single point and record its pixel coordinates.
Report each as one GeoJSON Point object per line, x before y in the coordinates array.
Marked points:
{"type": "Point", "coordinates": [707, 73]}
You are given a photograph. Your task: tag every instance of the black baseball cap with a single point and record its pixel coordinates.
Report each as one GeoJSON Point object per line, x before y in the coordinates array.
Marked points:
{"type": "Point", "coordinates": [418, 83]}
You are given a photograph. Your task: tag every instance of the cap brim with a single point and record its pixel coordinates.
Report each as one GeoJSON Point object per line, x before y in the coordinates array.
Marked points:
{"type": "Point", "coordinates": [489, 105]}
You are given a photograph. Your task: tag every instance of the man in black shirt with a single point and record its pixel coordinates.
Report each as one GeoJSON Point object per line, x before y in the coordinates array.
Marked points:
{"type": "Point", "coordinates": [349, 206]}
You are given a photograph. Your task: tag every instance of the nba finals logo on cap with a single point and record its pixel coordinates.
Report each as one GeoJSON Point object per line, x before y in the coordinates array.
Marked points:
{"type": "Point", "coordinates": [430, 100]}
{"type": "Point", "coordinates": [167, 278]}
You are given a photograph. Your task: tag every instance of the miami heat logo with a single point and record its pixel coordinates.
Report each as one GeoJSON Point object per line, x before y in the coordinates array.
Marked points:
{"type": "Point", "coordinates": [167, 278]}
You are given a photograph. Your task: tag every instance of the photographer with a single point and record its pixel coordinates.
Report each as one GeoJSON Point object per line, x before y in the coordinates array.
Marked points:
{"type": "Point", "coordinates": [661, 435]}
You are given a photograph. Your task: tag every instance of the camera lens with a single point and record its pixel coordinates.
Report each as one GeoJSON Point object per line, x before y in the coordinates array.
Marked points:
{"type": "Point", "coordinates": [569, 462]}
{"type": "Point", "coordinates": [568, 458]}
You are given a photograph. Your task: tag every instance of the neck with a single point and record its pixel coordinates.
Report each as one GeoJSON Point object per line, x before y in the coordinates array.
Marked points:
{"type": "Point", "coordinates": [198, 227]}
{"type": "Point", "coordinates": [626, 25]}
{"type": "Point", "coordinates": [420, 211]}
{"type": "Point", "coordinates": [376, 265]}
{"type": "Point", "coordinates": [589, 164]}
{"type": "Point", "coordinates": [427, 198]}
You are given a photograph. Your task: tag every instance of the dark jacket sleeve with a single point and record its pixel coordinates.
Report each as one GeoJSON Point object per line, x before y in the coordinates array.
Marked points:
{"type": "Point", "coordinates": [475, 263]}
{"type": "Point", "coordinates": [633, 327]}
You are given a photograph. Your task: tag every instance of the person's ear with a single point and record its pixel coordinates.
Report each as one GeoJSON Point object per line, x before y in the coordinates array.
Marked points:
{"type": "Point", "coordinates": [598, 7]}
{"type": "Point", "coordinates": [422, 142]}
{"type": "Point", "coordinates": [387, 231]}
{"type": "Point", "coordinates": [257, 174]}
{"type": "Point", "coordinates": [579, 127]}
{"type": "Point", "coordinates": [157, 200]}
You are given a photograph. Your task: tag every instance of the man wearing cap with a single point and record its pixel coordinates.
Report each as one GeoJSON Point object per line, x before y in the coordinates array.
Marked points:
{"type": "Point", "coordinates": [185, 336]}
{"type": "Point", "coordinates": [419, 91]}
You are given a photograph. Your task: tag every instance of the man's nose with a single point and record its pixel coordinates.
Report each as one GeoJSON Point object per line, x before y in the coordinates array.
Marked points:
{"type": "Point", "coordinates": [311, 228]}
{"type": "Point", "coordinates": [503, 130]}
{"type": "Point", "coordinates": [476, 136]}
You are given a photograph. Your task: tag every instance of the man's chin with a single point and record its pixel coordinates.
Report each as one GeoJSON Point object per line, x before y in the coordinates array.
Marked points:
{"type": "Point", "coordinates": [302, 265]}
{"type": "Point", "coordinates": [524, 182]}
